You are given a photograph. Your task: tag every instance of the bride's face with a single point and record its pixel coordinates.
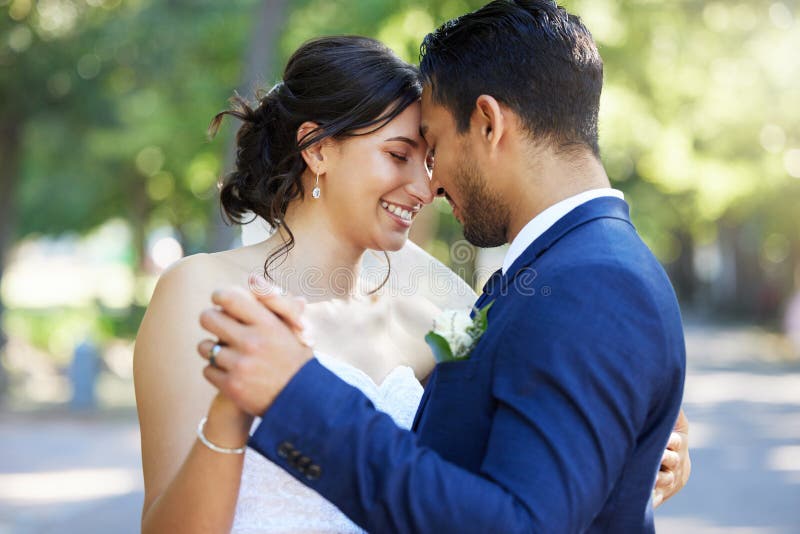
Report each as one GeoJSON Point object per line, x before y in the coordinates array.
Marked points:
{"type": "Point", "coordinates": [375, 184]}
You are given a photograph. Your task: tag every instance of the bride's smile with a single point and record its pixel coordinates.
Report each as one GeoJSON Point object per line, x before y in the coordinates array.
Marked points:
{"type": "Point", "coordinates": [402, 213]}
{"type": "Point", "coordinates": [386, 168]}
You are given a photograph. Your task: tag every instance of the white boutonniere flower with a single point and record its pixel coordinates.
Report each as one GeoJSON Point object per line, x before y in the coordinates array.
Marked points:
{"type": "Point", "coordinates": [455, 333]}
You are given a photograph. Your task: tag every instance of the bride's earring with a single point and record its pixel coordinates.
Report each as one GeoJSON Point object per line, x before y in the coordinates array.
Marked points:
{"type": "Point", "coordinates": [316, 192]}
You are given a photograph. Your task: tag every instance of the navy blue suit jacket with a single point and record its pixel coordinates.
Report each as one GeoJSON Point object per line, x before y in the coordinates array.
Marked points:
{"type": "Point", "coordinates": [556, 423]}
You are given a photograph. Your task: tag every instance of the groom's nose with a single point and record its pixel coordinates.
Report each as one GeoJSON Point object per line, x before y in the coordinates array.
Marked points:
{"type": "Point", "coordinates": [435, 186]}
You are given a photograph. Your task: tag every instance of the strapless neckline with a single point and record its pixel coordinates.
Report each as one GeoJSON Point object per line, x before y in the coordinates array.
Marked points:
{"type": "Point", "coordinates": [400, 372]}
{"type": "Point", "coordinates": [271, 500]}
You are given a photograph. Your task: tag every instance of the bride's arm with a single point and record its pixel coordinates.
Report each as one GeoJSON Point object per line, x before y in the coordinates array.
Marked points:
{"type": "Point", "coordinates": [188, 487]}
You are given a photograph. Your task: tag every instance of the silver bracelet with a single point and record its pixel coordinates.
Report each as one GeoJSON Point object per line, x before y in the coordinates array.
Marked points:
{"type": "Point", "coordinates": [216, 448]}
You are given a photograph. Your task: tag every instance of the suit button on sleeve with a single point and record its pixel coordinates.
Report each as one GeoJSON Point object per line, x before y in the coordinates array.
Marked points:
{"type": "Point", "coordinates": [294, 456]}
{"type": "Point", "coordinates": [313, 472]}
{"type": "Point", "coordinates": [285, 449]}
{"type": "Point", "coordinates": [302, 463]}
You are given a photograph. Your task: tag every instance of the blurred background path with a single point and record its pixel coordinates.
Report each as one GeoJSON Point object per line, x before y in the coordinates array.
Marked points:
{"type": "Point", "coordinates": [743, 403]}
{"type": "Point", "coordinates": [65, 473]}
{"type": "Point", "coordinates": [62, 473]}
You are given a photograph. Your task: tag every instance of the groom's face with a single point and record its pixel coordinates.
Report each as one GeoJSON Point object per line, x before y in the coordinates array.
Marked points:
{"type": "Point", "coordinates": [460, 178]}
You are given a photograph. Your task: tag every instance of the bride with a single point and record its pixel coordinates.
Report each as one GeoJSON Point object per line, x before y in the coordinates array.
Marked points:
{"type": "Point", "coordinates": [332, 159]}
{"type": "Point", "coordinates": [353, 185]}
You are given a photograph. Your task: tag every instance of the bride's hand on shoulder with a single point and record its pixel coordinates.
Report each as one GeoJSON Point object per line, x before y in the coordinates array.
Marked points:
{"type": "Point", "coordinates": [676, 464]}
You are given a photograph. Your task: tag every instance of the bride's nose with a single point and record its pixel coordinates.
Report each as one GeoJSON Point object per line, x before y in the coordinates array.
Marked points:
{"type": "Point", "coordinates": [420, 186]}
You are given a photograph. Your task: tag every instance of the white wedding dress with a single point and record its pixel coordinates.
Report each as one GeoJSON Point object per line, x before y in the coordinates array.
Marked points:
{"type": "Point", "coordinates": [271, 500]}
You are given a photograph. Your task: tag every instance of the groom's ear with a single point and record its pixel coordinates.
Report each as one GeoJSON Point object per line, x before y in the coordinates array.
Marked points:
{"type": "Point", "coordinates": [312, 155]}
{"type": "Point", "coordinates": [490, 120]}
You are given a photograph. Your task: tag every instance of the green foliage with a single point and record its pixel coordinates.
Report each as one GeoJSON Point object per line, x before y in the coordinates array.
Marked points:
{"type": "Point", "coordinates": [695, 94]}
{"type": "Point", "coordinates": [700, 118]}
{"type": "Point", "coordinates": [116, 105]}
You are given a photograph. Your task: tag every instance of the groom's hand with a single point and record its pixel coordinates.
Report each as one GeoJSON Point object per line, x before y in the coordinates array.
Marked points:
{"type": "Point", "coordinates": [676, 465]}
{"type": "Point", "coordinates": [262, 346]}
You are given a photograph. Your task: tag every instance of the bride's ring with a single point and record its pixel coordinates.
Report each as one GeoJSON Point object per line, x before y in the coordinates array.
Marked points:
{"type": "Point", "coordinates": [212, 355]}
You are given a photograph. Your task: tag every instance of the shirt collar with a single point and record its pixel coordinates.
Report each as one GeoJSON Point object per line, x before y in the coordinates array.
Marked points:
{"type": "Point", "coordinates": [542, 222]}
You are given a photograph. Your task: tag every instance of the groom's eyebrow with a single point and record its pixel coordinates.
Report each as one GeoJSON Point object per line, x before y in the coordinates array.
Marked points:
{"type": "Point", "coordinates": [404, 139]}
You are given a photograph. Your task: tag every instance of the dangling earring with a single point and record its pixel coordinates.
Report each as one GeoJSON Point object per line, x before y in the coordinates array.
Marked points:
{"type": "Point", "coordinates": [316, 192]}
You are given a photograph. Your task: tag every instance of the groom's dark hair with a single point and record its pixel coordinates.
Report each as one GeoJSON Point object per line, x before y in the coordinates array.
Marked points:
{"type": "Point", "coordinates": [532, 56]}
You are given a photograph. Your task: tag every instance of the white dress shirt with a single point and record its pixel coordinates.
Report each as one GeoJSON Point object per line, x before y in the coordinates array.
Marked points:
{"type": "Point", "coordinates": [542, 222]}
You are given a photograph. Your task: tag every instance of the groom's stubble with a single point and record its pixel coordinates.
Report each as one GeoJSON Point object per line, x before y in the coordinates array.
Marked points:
{"type": "Point", "coordinates": [484, 212]}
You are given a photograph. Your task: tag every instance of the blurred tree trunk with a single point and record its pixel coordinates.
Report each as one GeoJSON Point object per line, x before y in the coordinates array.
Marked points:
{"type": "Point", "coordinates": [139, 208]}
{"type": "Point", "coordinates": [749, 278]}
{"type": "Point", "coordinates": [683, 272]}
{"type": "Point", "coordinates": [10, 146]}
{"type": "Point", "coordinates": [259, 64]}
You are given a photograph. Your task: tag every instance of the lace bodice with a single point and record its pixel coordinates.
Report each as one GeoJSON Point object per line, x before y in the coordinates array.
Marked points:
{"type": "Point", "coordinates": [270, 500]}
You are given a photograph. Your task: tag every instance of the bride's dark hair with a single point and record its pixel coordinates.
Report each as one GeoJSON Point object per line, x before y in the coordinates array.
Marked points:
{"type": "Point", "coordinates": [342, 83]}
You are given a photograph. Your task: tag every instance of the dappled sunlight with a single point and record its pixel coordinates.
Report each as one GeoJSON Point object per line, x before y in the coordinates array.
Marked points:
{"type": "Point", "coordinates": [713, 345]}
{"type": "Point", "coordinates": [712, 388]}
{"type": "Point", "coordinates": [71, 270]}
{"type": "Point", "coordinates": [404, 31]}
{"type": "Point", "coordinates": [48, 281]}
{"type": "Point", "coordinates": [201, 175]}
{"type": "Point", "coordinates": [786, 458]}
{"type": "Point", "coordinates": [166, 251]}
{"type": "Point", "coordinates": [605, 21]}
{"type": "Point", "coordinates": [73, 485]}
{"type": "Point", "coordinates": [791, 160]}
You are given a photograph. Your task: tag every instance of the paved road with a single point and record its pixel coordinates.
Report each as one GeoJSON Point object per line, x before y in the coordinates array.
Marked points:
{"type": "Point", "coordinates": [59, 473]}
{"type": "Point", "coordinates": [743, 403]}
{"type": "Point", "coordinates": [67, 474]}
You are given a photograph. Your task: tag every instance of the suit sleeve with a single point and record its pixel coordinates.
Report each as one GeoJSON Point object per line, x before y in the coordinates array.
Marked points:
{"type": "Point", "coordinates": [568, 400]}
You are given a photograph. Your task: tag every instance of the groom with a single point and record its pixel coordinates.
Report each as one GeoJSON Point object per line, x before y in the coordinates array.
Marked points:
{"type": "Point", "coordinates": [557, 420]}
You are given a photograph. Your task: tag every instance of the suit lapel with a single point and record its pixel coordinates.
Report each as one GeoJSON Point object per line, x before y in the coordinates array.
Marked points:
{"type": "Point", "coordinates": [599, 208]}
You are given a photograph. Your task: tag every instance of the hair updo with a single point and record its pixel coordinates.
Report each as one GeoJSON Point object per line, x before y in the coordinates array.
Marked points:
{"type": "Point", "coordinates": [342, 83]}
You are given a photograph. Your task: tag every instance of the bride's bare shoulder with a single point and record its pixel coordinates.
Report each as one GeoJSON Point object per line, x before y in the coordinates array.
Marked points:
{"type": "Point", "coordinates": [209, 271]}
{"type": "Point", "coordinates": [190, 265]}
{"type": "Point", "coordinates": [187, 284]}
{"type": "Point", "coordinates": [197, 270]}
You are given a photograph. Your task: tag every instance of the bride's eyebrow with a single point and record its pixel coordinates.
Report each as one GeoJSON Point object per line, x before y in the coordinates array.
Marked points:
{"type": "Point", "coordinates": [404, 139]}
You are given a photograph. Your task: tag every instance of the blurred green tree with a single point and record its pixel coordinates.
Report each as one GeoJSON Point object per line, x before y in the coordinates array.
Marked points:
{"type": "Point", "coordinates": [700, 118]}
{"type": "Point", "coordinates": [39, 41]}
{"type": "Point", "coordinates": [103, 110]}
